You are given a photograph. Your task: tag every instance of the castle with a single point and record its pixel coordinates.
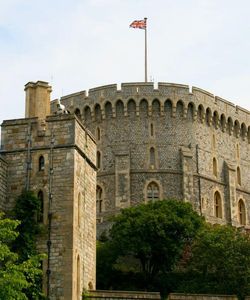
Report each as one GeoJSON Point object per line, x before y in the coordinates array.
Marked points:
{"type": "Point", "coordinates": [165, 141]}
{"type": "Point", "coordinates": [145, 142]}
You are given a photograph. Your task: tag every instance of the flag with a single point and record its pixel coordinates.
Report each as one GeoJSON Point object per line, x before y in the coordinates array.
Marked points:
{"type": "Point", "coordinates": [141, 24]}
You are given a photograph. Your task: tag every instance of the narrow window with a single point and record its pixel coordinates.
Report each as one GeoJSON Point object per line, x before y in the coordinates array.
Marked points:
{"type": "Point", "coordinates": [153, 191]}
{"type": "Point", "coordinates": [78, 289]}
{"type": "Point", "coordinates": [241, 212]}
{"type": "Point", "coordinates": [98, 159]}
{"type": "Point", "coordinates": [238, 176]}
{"type": "Point", "coordinates": [152, 129]}
{"type": "Point", "coordinates": [41, 163]}
{"type": "Point", "coordinates": [237, 151]}
{"type": "Point", "coordinates": [99, 199]}
{"type": "Point", "coordinates": [40, 212]}
{"type": "Point", "coordinates": [98, 134]}
{"type": "Point", "coordinates": [217, 205]}
{"type": "Point", "coordinates": [214, 142]}
{"type": "Point", "coordinates": [214, 167]}
{"type": "Point", "coordinates": [152, 158]}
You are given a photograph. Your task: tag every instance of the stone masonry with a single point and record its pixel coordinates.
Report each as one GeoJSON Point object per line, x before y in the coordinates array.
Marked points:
{"type": "Point", "coordinates": [56, 156]}
{"type": "Point", "coordinates": [165, 141]}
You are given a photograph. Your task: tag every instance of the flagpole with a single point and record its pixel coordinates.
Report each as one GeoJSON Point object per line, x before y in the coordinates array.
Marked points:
{"type": "Point", "coordinates": [146, 54]}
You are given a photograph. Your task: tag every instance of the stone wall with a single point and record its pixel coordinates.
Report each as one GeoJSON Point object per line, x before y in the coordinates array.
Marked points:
{"type": "Point", "coordinates": [189, 132]}
{"type": "Point", "coordinates": [125, 295]}
{"type": "Point", "coordinates": [68, 171]}
{"type": "Point", "coordinates": [3, 182]}
{"type": "Point", "coordinates": [200, 297]}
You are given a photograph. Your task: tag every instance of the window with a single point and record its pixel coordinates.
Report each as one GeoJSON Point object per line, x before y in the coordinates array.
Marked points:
{"type": "Point", "coordinates": [217, 205]}
{"type": "Point", "coordinates": [78, 113]}
{"type": "Point", "coordinates": [41, 163]}
{"type": "Point", "coordinates": [99, 199]}
{"type": "Point", "coordinates": [241, 212]}
{"type": "Point", "coordinates": [214, 167]}
{"type": "Point", "coordinates": [152, 158]}
{"type": "Point", "coordinates": [213, 142]}
{"type": "Point", "coordinates": [98, 159]}
{"type": "Point", "coordinates": [40, 212]}
{"type": "Point", "coordinates": [78, 286]}
{"type": "Point", "coordinates": [153, 192]}
{"type": "Point", "coordinates": [152, 129]}
{"type": "Point", "coordinates": [237, 151]}
{"type": "Point", "coordinates": [238, 176]}
{"type": "Point", "coordinates": [98, 134]}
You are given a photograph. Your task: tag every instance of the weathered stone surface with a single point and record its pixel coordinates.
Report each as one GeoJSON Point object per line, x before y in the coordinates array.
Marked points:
{"type": "Point", "coordinates": [187, 130]}
{"type": "Point", "coordinates": [68, 178]}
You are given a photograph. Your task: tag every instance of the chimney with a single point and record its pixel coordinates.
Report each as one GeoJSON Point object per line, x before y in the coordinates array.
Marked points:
{"type": "Point", "coordinates": [37, 102]}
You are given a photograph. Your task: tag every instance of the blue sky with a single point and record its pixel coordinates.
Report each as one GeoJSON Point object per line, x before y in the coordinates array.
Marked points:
{"type": "Point", "coordinates": [80, 44]}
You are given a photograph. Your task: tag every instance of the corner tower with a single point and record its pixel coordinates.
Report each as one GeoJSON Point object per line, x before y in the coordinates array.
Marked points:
{"type": "Point", "coordinates": [57, 162]}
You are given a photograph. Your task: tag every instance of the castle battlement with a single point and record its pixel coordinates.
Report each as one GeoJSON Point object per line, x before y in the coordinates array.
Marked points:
{"type": "Point", "coordinates": [104, 99]}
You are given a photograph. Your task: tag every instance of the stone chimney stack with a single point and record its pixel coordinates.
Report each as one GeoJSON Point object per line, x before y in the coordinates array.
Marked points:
{"type": "Point", "coordinates": [37, 102]}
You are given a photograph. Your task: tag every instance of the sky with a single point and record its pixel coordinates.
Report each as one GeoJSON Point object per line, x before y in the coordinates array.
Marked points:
{"type": "Point", "coordinates": [80, 44]}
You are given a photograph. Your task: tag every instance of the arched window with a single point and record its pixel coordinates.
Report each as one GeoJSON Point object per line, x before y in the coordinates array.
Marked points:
{"type": "Point", "coordinates": [200, 113]}
{"type": "Point", "coordinates": [131, 108]}
{"type": "Point", "coordinates": [143, 108]}
{"type": "Point", "coordinates": [108, 110]}
{"type": "Point", "coordinates": [168, 108]}
{"type": "Point", "coordinates": [98, 159]}
{"type": "Point", "coordinates": [40, 212]}
{"type": "Point", "coordinates": [98, 112]}
{"type": "Point", "coordinates": [241, 212]}
{"type": "Point", "coordinates": [215, 167]}
{"type": "Point", "coordinates": [156, 108]}
{"type": "Point", "coordinates": [238, 176]}
{"type": "Point", "coordinates": [98, 134]}
{"type": "Point", "coordinates": [179, 109]}
{"type": "Point", "coordinates": [41, 163]}
{"type": "Point", "coordinates": [217, 205]}
{"type": "Point", "coordinates": [152, 157]}
{"type": "Point", "coordinates": [87, 114]}
{"type": "Point", "coordinates": [78, 113]}
{"type": "Point", "coordinates": [99, 199]}
{"type": "Point", "coordinates": [153, 192]}
{"type": "Point", "coordinates": [119, 109]}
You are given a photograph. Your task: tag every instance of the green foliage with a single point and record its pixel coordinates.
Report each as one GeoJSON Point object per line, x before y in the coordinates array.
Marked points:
{"type": "Point", "coordinates": [26, 210]}
{"type": "Point", "coordinates": [220, 262]}
{"type": "Point", "coordinates": [15, 278]}
{"type": "Point", "coordinates": [165, 246]}
{"type": "Point", "coordinates": [145, 242]}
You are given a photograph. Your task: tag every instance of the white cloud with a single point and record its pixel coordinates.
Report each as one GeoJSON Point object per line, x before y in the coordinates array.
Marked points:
{"type": "Point", "coordinates": [85, 43]}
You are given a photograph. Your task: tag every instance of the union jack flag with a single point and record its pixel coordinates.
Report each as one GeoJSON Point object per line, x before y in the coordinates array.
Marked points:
{"type": "Point", "coordinates": [141, 24]}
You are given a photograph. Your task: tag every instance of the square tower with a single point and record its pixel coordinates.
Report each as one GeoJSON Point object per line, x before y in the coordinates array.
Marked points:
{"type": "Point", "coordinates": [55, 157]}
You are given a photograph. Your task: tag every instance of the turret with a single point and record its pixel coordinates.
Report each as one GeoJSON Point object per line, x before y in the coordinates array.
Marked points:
{"type": "Point", "coordinates": [37, 103]}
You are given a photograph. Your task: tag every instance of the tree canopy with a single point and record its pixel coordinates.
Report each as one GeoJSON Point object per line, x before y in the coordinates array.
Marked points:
{"type": "Point", "coordinates": [165, 246]}
{"type": "Point", "coordinates": [15, 277]}
{"type": "Point", "coordinates": [153, 234]}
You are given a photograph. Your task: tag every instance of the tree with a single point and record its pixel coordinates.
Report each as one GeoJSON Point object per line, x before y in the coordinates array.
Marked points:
{"type": "Point", "coordinates": [153, 234]}
{"type": "Point", "coordinates": [26, 210]}
{"type": "Point", "coordinates": [220, 262]}
{"type": "Point", "coordinates": [15, 278]}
